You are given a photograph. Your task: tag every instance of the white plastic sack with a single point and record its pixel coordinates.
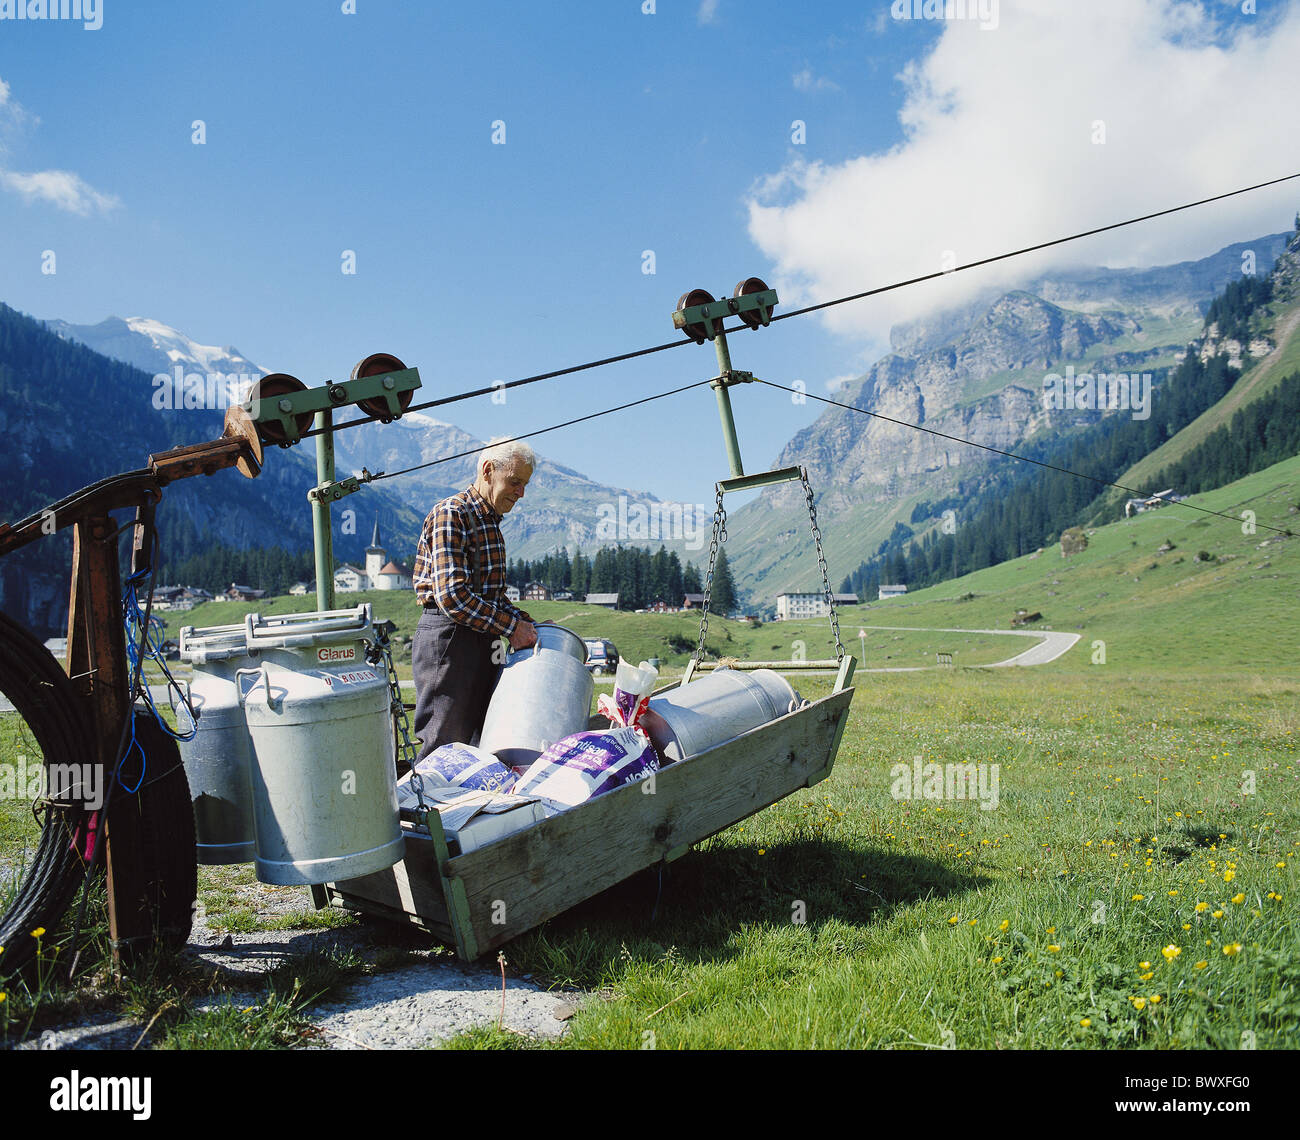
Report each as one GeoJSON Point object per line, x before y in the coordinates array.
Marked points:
{"type": "Point", "coordinates": [633, 685]}
{"type": "Point", "coordinates": [588, 764]}
{"type": "Point", "coordinates": [466, 766]}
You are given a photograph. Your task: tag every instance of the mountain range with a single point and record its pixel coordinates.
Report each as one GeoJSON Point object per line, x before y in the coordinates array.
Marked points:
{"type": "Point", "coordinates": [976, 373]}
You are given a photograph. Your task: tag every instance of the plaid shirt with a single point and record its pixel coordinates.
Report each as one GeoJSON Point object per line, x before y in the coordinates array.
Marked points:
{"type": "Point", "coordinates": [460, 565]}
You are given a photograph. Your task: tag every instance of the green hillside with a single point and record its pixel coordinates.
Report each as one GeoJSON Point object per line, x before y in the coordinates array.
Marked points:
{"type": "Point", "coordinates": [1282, 326]}
{"type": "Point", "coordinates": [1153, 610]}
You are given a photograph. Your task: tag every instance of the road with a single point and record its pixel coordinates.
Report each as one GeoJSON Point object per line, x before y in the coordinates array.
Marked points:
{"type": "Point", "coordinates": [1050, 646]}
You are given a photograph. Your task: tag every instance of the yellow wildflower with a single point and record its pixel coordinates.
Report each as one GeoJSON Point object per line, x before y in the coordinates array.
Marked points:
{"type": "Point", "coordinates": [1171, 952]}
{"type": "Point", "coordinates": [1232, 948]}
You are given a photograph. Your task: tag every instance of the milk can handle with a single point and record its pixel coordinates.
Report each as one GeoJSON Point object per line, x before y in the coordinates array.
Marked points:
{"type": "Point", "coordinates": [172, 692]}
{"type": "Point", "coordinates": [266, 682]}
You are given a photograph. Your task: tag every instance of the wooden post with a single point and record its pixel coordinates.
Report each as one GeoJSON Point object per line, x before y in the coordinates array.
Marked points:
{"type": "Point", "coordinates": [98, 667]}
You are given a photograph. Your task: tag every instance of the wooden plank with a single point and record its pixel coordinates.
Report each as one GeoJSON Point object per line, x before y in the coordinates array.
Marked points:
{"type": "Point", "coordinates": [411, 887]}
{"type": "Point", "coordinates": [371, 907]}
{"type": "Point", "coordinates": [522, 880]}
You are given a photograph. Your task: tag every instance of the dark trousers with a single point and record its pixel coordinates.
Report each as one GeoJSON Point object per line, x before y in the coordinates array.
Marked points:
{"type": "Point", "coordinates": [454, 675]}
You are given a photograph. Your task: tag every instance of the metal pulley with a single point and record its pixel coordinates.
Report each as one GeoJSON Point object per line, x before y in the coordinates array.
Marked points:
{"type": "Point", "coordinates": [376, 364]}
{"type": "Point", "coordinates": [700, 317]}
{"type": "Point", "coordinates": [698, 331]}
{"type": "Point", "coordinates": [272, 413]}
{"type": "Point", "coordinates": [760, 315]}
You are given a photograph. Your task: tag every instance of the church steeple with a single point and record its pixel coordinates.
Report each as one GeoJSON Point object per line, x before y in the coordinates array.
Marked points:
{"type": "Point", "coordinates": [376, 556]}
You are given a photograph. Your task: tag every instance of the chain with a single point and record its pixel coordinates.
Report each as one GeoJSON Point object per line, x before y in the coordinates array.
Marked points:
{"type": "Point", "coordinates": [719, 537]}
{"type": "Point", "coordinates": [408, 753]}
{"type": "Point", "coordinates": [821, 562]}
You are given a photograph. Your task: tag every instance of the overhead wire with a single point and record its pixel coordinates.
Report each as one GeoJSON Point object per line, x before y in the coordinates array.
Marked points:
{"type": "Point", "coordinates": [540, 431]}
{"type": "Point", "coordinates": [502, 386]}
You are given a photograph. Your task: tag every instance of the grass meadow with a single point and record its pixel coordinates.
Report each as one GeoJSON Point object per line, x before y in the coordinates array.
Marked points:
{"type": "Point", "coordinates": [1132, 885]}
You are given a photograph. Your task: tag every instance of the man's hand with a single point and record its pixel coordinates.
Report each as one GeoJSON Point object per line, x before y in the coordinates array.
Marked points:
{"type": "Point", "coordinates": [524, 635]}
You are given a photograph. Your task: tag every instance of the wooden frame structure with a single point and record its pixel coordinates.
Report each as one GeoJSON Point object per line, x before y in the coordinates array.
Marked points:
{"type": "Point", "coordinates": [482, 899]}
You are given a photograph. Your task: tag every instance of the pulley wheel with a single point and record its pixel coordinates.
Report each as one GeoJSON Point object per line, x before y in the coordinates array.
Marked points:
{"type": "Point", "coordinates": [744, 289]}
{"type": "Point", "coordinates": [376, 364]}
{"type": "Point", "coordinates": [271, 388]}
{"type": "Point", "coordinates": [698, 332]}
{"type": "Point", "coordinates": [239, 425]}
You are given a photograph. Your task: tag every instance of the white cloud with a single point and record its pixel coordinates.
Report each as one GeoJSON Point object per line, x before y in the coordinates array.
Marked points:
{"type": "Point", "coordinates": [61, 188]}
{"type": "Point", "coordinates": [998, 153]}
{"type": "Point", "coordinates": [805, 80]}
{"type": "Point", "coordinates": [708, 13]}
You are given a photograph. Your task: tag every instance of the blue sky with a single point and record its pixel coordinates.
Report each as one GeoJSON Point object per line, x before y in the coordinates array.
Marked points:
{"type": "Point", "coordinates": [673, 132]}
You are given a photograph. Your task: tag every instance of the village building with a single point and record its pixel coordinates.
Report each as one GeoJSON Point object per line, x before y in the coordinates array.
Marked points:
{"type": "Point", "coordinates": [791, 605]}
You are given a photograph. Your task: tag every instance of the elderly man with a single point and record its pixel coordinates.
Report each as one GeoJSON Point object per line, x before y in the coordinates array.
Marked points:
{"type": "Point", "coordinates": [460, 580]}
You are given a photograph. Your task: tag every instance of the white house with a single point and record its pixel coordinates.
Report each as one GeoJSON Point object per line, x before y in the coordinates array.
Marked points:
{"type": "Point", "coordinates": [512, 593]}
{"type": "Point", "coordinates": [891, 592]}
{"type": "Point", "coordinates": [348, 579]}
{"type": "Point", "coordinates": [806, 605]}
{"type": "Point", "coordinates": [393, 576]}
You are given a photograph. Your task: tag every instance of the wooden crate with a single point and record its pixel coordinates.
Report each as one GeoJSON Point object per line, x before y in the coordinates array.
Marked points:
{"type": "Point", "coordinates": [477, 901]}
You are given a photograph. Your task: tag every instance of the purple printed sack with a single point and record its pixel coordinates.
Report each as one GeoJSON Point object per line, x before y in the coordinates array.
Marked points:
{"type": "Point", "coordinates": [467, 767]}
{"type": "Point", "coordinates": [588, 764]}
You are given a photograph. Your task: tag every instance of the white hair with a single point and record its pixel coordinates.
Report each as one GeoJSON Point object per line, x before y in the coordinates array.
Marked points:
{"type": "Point", "coordinates": [502, 450]}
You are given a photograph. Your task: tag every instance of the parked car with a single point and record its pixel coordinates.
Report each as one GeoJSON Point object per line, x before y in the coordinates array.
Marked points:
{"type": "Point", "coordinates": [602, 657]}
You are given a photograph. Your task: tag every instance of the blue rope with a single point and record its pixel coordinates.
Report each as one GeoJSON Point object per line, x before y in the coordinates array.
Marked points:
{"type": "Point", "coordinates": [141, 644]}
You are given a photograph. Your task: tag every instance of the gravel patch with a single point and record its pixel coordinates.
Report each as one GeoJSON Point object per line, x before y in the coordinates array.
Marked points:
{"type": "Point", "coordinates": [419, 1001]}
{"type": "Point", "coordinates": [423, 1005]}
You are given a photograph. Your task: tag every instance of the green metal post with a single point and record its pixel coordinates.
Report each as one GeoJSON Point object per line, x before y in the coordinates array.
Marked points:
{"type": "Point", "coordinates": [320, 512]}
{"type": "Point", "coordinates": [724, 405]}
